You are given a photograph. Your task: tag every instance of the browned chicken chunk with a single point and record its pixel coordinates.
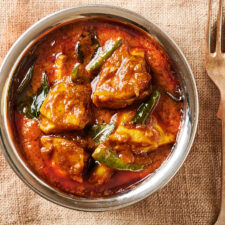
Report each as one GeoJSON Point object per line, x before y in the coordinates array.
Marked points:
{"type": "Point", "coordinates": [66, 156]}
{"type": "Point", "coordinates": [139, 138]}
{"type": "Point", "coordinates": [67, 107]}
{"type": "Point", "coordinates": [123, 79]}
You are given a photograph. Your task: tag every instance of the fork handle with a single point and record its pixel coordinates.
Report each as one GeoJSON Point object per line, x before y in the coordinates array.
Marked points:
{"type": "Point", "coordinates": [221, 112]}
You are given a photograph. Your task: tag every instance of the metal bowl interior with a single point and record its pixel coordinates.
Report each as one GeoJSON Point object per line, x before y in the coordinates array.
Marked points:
{"type": "Point", "coordinates": [184, 139]}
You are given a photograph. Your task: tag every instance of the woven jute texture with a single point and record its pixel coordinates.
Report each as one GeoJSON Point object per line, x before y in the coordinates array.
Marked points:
{"type": "Point", "coordinates": [193, 195]}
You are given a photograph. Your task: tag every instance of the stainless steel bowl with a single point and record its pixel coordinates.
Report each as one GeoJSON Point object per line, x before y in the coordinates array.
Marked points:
{"type": "Point", "coordinates": [184, 139]}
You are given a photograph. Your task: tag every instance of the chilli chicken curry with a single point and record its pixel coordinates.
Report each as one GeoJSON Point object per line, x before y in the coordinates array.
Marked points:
{"type": "Point", "coordinates": [97, 107]}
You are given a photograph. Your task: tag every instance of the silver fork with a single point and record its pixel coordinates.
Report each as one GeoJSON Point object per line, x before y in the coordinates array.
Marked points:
{"type": "Point", "coordinates": [215, 67]}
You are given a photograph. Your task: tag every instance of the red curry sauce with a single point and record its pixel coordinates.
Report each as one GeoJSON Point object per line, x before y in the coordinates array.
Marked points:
{"type": "Point", "coordinates": [56, 55]}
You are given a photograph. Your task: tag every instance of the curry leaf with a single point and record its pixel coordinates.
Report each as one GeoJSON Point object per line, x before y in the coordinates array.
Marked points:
{"type": "Point", "coordinates": [26, 80]}
{"type": "Point", "coordinates": [31, 107]}
{"type": "Point", "coordinates": [146, 108]}
{"type": "Point", "coordinates": [99, 132]}
{"type": "Point", "coordinates": [39, 98]}
{"type": "Point", "coordinates": [109, 158]}
{"type": "Point", "coordinates": [88, 40]}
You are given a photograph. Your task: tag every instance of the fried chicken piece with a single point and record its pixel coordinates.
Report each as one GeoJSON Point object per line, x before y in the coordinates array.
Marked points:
{"type": "Point", "coordinates": [66, 156]}
{"type": "Point", "coordinates": [138, 138]}
{"type": "Point", "coordinates": [123, 79]}
{"type": "Point", "coordinates": [67, 107]}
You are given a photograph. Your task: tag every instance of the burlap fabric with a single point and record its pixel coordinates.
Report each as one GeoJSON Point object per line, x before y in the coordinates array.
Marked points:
{"type": "Point", "coordinates": [193, 196]}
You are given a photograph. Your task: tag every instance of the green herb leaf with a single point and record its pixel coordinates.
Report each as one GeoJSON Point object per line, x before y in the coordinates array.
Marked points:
{"type": "Point", "coordinates": [103, 54]}
{"type": "Point", "coordinates": [30, 106]}
{"type": "Point", "coordinates": [146, 108]}
{"type": "Point", "coordinates": [79, 52]}
{"type": "Point", "coordinates": [26, 80]}
{"type": "Point", "coordinates": [88, 40]}
{"type": "Point", "coordinates": [174, 98]}
{"type": "Point", "coordinates": [100, 132]}
{"type": "Point", "coordinates": [74, 74]}
{"type": "Point", "coordinates": [109, 158]}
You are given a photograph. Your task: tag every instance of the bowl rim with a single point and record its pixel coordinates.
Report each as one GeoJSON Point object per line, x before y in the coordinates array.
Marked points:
{"type": "Point", "coordinates": [133, 195]}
